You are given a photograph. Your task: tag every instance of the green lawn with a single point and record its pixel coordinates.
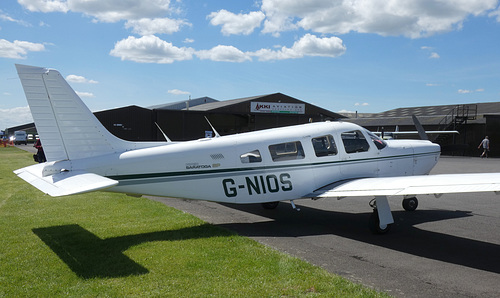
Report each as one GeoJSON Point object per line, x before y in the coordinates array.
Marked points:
{"type": "Point", "coordinates": [105, 244]}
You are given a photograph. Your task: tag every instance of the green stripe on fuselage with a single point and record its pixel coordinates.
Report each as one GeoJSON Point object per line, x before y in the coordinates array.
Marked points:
{"type": "Point", "coordinates": [222, 172]}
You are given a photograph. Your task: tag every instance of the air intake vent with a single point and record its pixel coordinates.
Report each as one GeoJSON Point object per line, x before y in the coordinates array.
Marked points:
{"type": "Point", "coordinates": [217, 156]}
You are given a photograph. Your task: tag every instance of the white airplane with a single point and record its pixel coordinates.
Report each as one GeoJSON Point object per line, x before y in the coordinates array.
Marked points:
{"type": "Point", "coordinates": [316, 160]}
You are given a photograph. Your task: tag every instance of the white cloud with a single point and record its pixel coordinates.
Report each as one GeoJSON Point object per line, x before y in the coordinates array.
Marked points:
{"type": "Point", "coordinates": [178, 92]}
{"type": "Point", "coordinates": [79, 79]}
{"type": "Point", "coordinates": [364, 104]}
{"type": "Point", "coordinates": [18, 49]}
{"type": "Point", "coordinates": [434, 55]}
{"type": "Point", "coordinates": [111, 11]}
{"type": "Point", "coordinates": [223, 53]}
{"type": "Point", "coordinates": [236, 23]}
{"type": "Point", "coordinates": [85, 94]}
{"type": "Point", "coordinates": [188, 40]}
{"type": "Point", "coordinates": [412, 19]}
{"type": "Point", "coordinates": [15, 116]}
{"type": "Point", "coordinates": [45, 5]}
{"type": "Point", "coordinates": [467, 91]}
{"type": "Point", "coordinates": [150, 49]}
{"type": "Point", "coordinates": [6, 17]}
{"type": "Point", "coordinates": [344, 111]}
{"type": "Point", "coordinates": [146, 26]}
{"type": "Point", "coordinates": [496, 14]}
{"type": "Point", "coordinates": [308, 45]}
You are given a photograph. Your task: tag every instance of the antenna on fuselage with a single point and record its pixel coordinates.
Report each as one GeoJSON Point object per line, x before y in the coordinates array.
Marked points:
{"type": "Point", "coordinates": [420, 128]}
{"type": "Point", "coordinates": [216, 133]}
{"type": "Point", "coordinates": [164, 135]}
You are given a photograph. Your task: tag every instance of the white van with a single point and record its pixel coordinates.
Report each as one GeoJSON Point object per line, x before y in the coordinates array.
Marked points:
{"type": "Point", "coordinates": [20, 137]}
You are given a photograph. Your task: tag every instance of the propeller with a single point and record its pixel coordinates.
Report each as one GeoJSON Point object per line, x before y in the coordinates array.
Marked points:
{"type": "Point", "coordinates": [420, 128]}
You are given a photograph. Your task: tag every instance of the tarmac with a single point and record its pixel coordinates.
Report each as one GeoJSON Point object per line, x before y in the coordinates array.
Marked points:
{"type": "Point", "coordinates": [448, 247]}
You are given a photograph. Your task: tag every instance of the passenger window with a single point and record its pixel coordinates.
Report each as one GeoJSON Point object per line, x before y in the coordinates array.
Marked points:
{"type": "Point", "coordinates": [379, 142]}
{"type": "Point", "coordinates": [286, 151]}
{"type": "Point", "coordinates": [354, 142]}
{"type": "Point", "coordinates": [324, 146]}
{"type": "Point", "coordinates": [252, 156]}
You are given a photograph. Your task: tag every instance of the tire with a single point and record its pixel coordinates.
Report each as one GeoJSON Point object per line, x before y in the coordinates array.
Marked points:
{"type": "Point", "coordinates": [410, 204]}
{"type": "Point", "coordinates": [374, 223]}
{"type": "Point", "coordinates": [270, 205]}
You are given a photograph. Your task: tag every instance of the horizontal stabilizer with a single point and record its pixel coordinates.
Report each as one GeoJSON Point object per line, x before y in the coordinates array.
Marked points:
{"type": "Point", "coordinates": [64, 183]}
{"type": "Point", "coordinates": [412, 185]}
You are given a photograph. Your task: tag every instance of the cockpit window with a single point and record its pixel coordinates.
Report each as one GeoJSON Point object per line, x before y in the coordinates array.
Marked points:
{"type": "Point", "coordinates": [324, 146]}
{"type": "Point", "coordinates": [379, 142]}
{"type": "Point", "coordinates": [354, 142]}
{"type": "Point", "coordinates": [250, 157]}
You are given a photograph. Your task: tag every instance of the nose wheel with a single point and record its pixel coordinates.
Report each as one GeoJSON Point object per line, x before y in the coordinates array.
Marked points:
{"type": "Point", "coordinates": [410, 204]}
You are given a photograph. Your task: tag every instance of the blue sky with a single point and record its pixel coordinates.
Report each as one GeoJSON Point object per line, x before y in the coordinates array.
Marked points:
{"type": "Point", "coordinates": [346, 55]}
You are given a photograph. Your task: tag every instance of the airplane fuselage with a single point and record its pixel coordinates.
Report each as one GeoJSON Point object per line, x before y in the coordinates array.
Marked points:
{"type": "Point", "coordinates": [265, 166]}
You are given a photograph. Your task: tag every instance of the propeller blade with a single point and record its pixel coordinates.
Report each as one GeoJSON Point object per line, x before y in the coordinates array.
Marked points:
{"type": "Point", "coordinates": [420, 128]}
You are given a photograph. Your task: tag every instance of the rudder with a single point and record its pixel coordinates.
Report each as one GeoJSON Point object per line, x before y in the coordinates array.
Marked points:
{"type": "Point", "coordinates": [67, 128]}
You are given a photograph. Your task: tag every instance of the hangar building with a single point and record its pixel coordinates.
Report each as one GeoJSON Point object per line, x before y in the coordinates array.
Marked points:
{"type": "Point", "coordinates": [472, 121]}
{"type": "Point", "coordinates": [185, 120]}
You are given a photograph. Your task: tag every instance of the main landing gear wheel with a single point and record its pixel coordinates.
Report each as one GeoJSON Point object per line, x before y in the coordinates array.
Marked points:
{"type": "Point", "coordinates": [270, 205]}
{"type": "Point", "coordinates": [374, 223]}
{"type": "Point", "coordinates": [410, 204]}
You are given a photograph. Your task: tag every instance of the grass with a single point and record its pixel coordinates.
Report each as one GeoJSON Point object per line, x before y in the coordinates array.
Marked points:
{"type": "Point", "coordinates": [105, 244]}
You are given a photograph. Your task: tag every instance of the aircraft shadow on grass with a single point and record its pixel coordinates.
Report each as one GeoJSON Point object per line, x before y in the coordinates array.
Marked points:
{"type": "Point", "coordinates": [405, 236]}
{"type": "Point", "coordinates": [89, 256]}
{"type": "Point", "coordinates": [92, 257]}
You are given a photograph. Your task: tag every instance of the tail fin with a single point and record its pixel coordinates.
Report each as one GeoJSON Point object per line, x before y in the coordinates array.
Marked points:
{"type": "Point", "coordinates": [67, 128]}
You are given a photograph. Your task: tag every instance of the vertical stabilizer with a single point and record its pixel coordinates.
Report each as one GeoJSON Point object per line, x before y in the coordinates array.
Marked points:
{"type": "Point", "coordinates": [67, 128]}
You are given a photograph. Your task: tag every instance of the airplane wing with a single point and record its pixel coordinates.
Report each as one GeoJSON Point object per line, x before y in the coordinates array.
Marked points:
{"type": "Point", "coordinates": [411, 185]}
{"type": "Point", "coordinates": [64, 183]}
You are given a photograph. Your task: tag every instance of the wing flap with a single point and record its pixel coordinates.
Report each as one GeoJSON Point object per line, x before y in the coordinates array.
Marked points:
{"type": "Point", "coordinates": [412, 185]}
{"type": "Point", "coordinates": [64, 183]}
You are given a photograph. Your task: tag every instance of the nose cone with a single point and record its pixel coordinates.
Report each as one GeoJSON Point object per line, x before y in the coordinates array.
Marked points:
{"type": "Point", "coordinates": [423, 155]}
{"type": "Point", "coordinates": [422, 147]}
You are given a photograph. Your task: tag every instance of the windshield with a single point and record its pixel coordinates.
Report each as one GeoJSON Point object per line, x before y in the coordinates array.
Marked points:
{"type": "Point", "coordinates": [381, 144]}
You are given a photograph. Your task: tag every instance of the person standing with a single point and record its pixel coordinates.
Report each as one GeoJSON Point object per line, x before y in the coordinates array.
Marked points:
{"type": "Point", "coordinates": [40, 154]}
{"type": "Point", "coordinates": [486, 146]}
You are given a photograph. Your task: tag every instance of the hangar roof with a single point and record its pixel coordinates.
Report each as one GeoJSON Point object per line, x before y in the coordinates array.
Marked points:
{"type": "Point", "coordinates": [428, 115]}
{"type": "Point", "coordinates": [180, 105]}
{"type": "Point", "coordinates": [241, 105]}
{"type": "Point", "coordinates": [222, 104]}
{"type": "Point", "coordinates": [482, 108]}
